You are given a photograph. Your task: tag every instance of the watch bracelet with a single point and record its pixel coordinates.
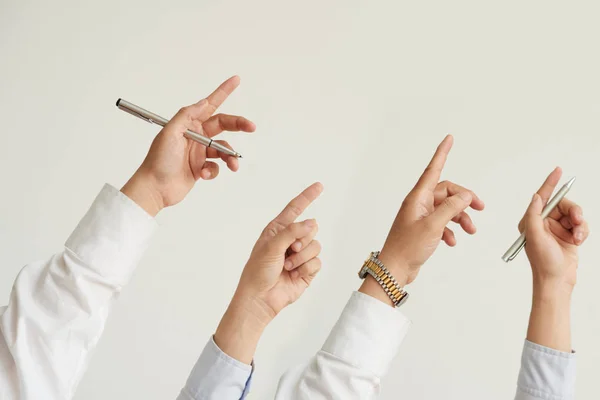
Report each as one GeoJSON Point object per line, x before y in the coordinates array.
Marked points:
{"type": "Point", "coordinates": [398, 295]}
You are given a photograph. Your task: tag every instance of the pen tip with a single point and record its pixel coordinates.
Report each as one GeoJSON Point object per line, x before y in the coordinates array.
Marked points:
{"type": "Point", "coordinates": [238, 155]}
{"type": "Point", "coordinates": [571, 181]}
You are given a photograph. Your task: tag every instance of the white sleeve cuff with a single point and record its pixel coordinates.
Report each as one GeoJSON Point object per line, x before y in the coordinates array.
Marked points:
{"type": "Point", "coordinates": [217, 376]}
{"type": "Point", "coordinates": [112, 236]}
{"type": "Point", "coordinates": [368, 334]}
{"type": "Point", "coordinates": [546, 373]}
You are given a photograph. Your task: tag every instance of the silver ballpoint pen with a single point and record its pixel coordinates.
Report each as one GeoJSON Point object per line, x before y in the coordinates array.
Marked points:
{"type": "Point", "coordinates": [158, 120]}
{"type": "Point", "coordinates": [518, 245]}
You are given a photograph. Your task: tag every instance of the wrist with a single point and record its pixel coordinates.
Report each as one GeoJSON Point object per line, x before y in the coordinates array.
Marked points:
{"type": "Point", "coordinates": [549, 291]}
{"type": "Point", "coordinates": [399, 271]}
{"type": "Point", "coordinates": [241, 327]}
{"type": "Point", "coordinates": [140, 189]}
{"type": "Point", "coordinates": [397, 267]}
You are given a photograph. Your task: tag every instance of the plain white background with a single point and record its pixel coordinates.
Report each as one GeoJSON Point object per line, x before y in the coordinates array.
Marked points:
{"type": "Point", "coordinates": [355, 94]}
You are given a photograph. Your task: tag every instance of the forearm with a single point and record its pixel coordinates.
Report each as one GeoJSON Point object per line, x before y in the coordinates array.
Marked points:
{"type": "Point", "coordinates": [550, 319]}
{"type": "Point", "coordinates": [241, 327]}
{"type": "Point", "coordinates": [548, 365]}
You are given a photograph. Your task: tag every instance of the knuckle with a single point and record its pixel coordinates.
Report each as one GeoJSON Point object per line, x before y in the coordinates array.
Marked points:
{"type": "Point", "coordinates": [450, 202]}
{"type": "Point", "coordinates": [185, 111]}
{"type": "Point", "coordinates": [270, 230]}
{"type": "Point", "coordinates": [295, 210]}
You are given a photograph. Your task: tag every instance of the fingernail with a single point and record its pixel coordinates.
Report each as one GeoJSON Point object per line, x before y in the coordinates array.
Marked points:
{"type": "Point", "coordinates": [310, 223]}
{"type": "Point", "coordinates": [578, 236]}
{"type": "Point", "coordinates": [297, 246]}
{"type": "Point", "coordinates": [288, 265]}
{"type": "Point", "coordinates": [466, 196]}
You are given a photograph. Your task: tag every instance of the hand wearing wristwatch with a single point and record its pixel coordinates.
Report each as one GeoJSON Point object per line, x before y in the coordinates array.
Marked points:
{"type": "Point", "coordinates": [420, 225]}
{"type": "Point", "coordinates": [374, 267]}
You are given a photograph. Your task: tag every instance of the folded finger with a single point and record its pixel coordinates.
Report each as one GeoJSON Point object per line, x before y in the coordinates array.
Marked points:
{"type": "Point", "coordinates": [209, 171]}
{"type": "Point", "coordinates": [303, 242]}
{"type": "Point", "coordinates": [231, 161]}
{"type": "Point", "coordinates": [450, 208]}
{"type": "Point", "coordinates": [312, 250]}
{"type": "Point", "coordinates": [570, 209]}
{"type": "Point", "coordinates": [307, 271]}
{"type": "Point", "coordinates": [446, 189]}
{"type": "Point", "coordinates": [448, 237]}
{"type": "Point", "coordinates": [560, 232]}
{"type": "Point", "coordinates": [465, 222]}
{"type": "Point", "coordinates": [566, 222]}
{"type": "Point", "coordinates": [224, 122]}
{"type": "Point", "coordinates": [581, 233]}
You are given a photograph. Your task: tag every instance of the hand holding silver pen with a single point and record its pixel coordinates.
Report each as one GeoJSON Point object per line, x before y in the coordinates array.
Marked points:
{"type": "Point", "coordinates": [174, 163]}
{"type": "Point", "coordinates": [199, 114]}
{"type": "Point", "coordinates": [560, 218]}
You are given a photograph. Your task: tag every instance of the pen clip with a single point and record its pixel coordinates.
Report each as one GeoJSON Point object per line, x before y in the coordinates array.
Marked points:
{"type": "Point", "coordinates": [516, 253]}
{"type": "Point", "coordinates": [135, 114]}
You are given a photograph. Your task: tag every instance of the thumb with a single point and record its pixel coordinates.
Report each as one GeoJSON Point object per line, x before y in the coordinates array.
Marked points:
{"type": "Point", "coordinates": [293, 232]}
{"type": "Point", "coordinates": [451, 207]}
{"type": "Point", "coordinates": [533, 215]}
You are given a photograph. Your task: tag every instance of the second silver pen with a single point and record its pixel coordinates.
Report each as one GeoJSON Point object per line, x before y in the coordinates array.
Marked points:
{"type": "Point", "coordinates": [158, 120]}
{"type": "Point", "coordinates": [518, 245]}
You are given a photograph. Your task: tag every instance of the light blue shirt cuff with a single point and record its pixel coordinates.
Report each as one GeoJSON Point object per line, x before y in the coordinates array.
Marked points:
{"type": "Point", "coordinates": [546, 373]}
{"type": "Point", "coordinates": [216, 376]}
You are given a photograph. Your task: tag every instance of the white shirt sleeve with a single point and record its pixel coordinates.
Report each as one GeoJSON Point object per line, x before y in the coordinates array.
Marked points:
{"type": "Point", "coordinates": [58, 307]}
{"type": "Point", "coordinates": [356, 355]}
{"type": "Point", "coordinates": [217, 376]}
{"type": "Point", "coordinates": [546, 374]}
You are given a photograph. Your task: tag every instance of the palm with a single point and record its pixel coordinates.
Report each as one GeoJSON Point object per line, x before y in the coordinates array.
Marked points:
{"type": "Point", "coordinates": [280, 287]}
{"type": "Point", "coordinates": [175, 162]}
{"type": "Point", "coordinates": [287, 290]}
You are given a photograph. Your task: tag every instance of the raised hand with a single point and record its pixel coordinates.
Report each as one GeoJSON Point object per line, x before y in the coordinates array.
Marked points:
{"type": "Point", "coordinates": [174, 163]}
{"type": "Point", "coordinates": [552, 249]}
{"type": "Point", "coordinates": [552, 243]}
{"type": "Point", "coordinates": [282, 265]}
{"type": "Point", "coordinates": [424, 215]}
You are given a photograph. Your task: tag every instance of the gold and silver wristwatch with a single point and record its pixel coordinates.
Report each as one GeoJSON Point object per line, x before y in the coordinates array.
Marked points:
{"type": "Point", "coordinates": [374, 267]}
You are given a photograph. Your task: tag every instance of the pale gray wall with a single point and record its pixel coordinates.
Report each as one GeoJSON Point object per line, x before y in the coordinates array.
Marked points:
{"type": "Point", "coordinates": [356, 94]}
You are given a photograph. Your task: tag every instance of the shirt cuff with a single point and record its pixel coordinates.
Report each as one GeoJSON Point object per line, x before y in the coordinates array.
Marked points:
{"type": "Point", "coordinates": [547, 373]}
{"type": "Point", "coordinates": [112, 236]}
{"type": "Point", "coordinates": [368, 334]}
{"type": "Point", "coordinates": [218, 376]}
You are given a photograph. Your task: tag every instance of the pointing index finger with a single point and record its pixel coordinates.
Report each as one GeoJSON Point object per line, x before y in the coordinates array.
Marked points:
{"type": "Point", "coordinates": [298, 205]}
{"type": "Point", "coordinates": [431, 176]}
{"type": "Point", "coordinates": [216, 98]}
